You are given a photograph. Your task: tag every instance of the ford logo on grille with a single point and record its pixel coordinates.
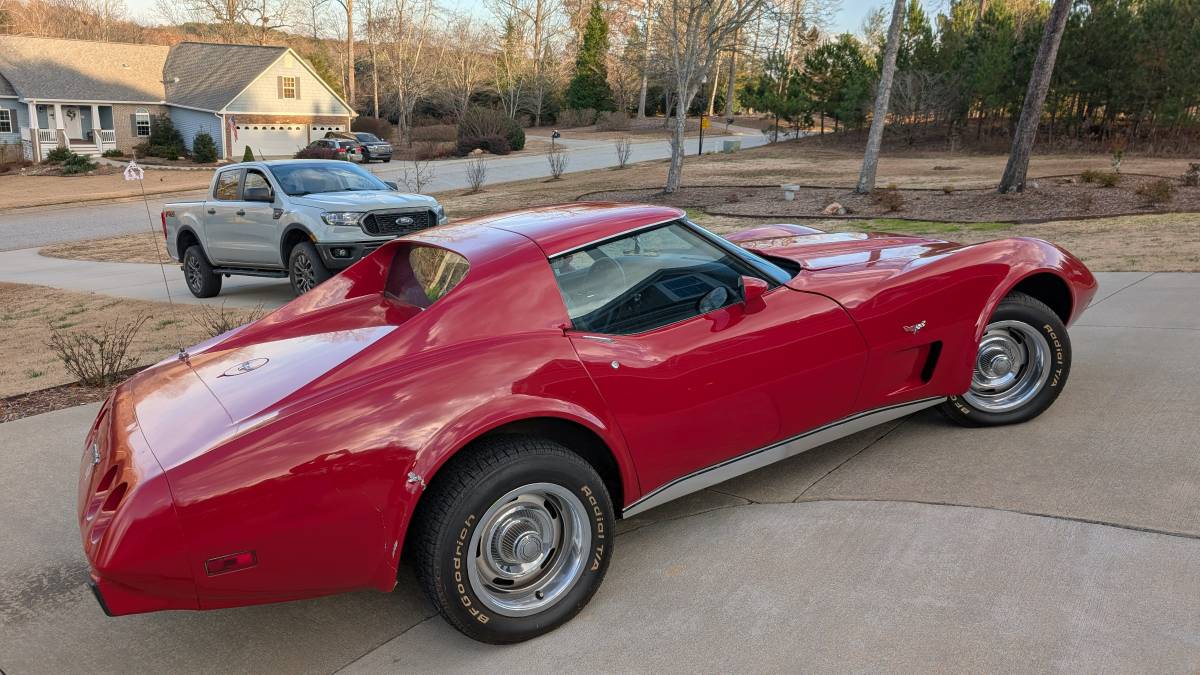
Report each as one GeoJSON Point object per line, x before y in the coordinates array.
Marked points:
{"type": "Point", "coordinates": [404, 220]}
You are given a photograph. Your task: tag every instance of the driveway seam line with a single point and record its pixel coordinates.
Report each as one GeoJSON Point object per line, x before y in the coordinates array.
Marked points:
{"type": "Point", "coordinates": [1035, 514]}
{"type": "Point", "coordinates": [1120, 291]}
{"type": "Point", "coordinates": [377, 647]}
{"type": "Point", "coordinates": [1089, 325]}
{"type": "Point", "coordinates": [848, 459]}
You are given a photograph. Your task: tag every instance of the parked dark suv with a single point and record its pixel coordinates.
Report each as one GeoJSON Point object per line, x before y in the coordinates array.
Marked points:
{"type": "Point", "coordinates": [372, 147]}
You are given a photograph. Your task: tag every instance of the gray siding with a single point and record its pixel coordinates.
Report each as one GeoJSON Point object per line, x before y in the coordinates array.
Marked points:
{"type": "Point", "coordinates": [191, 122]}
{"type": "Point", "coordinates": [18, 118]}
{"type": "Point", "coordinates": [262, 96]}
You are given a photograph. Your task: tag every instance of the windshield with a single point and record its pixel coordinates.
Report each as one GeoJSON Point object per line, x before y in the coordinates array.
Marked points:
{"type": "Point", "coordinates": [316, 177]}
{"type": "Point", "coordinates": [367, 138]}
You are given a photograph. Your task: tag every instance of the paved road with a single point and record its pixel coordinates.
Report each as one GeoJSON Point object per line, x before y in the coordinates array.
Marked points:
{"type": "Point", "coordinates": [27, 228]}
{"type": "Point", "coordinates": [1068, 544]}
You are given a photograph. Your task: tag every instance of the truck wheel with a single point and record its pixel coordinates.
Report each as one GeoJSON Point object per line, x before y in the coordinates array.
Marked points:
{"type": "Point", "coordinates": [513, 538]}
{"type": "Point", "coordinates": [198, 273]}
{"type": "Point", "coordinates": [306, 269]}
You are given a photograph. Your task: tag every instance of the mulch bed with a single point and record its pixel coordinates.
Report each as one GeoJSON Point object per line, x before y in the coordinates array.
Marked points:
{"type": "Point", "coordinates": [54, 398]}
{"type": "Point", "coordinates": [1053, 198]}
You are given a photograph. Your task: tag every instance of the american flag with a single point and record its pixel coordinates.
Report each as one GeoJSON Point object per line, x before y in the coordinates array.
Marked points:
{"type": "Point", "coordinates": [232, 121]}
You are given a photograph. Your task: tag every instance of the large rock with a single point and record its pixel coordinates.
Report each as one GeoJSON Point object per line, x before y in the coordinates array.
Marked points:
{"type": "Point", "coordinates": [834, 209]}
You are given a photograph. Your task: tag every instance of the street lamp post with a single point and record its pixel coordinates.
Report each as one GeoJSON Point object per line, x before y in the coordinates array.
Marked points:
{"type": "Point", "coordinates": [700, 145]}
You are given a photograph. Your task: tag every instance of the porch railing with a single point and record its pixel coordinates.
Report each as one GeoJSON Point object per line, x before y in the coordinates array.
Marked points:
{"type": "Point", "coordinates": [48, 136]}
{"type": "Point", "coordinates": [108, 136]}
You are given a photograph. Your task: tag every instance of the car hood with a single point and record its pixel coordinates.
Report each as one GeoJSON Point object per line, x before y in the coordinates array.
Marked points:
{"type": "Point", "coordinates": [816, 250]}
{"type": "Point", "coordinates": [365, 200]}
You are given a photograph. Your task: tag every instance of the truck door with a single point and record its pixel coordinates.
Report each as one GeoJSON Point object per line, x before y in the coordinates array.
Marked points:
{"type": "Point", "coordinates": [220, 213]}
{"type": "Point", "coordinates": [241, 233]}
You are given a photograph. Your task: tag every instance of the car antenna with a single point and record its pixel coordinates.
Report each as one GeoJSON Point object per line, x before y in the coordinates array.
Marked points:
{"type": "Point", "coordinates": [134, 172]}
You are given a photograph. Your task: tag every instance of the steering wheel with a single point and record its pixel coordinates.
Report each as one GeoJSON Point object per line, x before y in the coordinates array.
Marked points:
{"type": "Point", "coordinates": [606, 270]}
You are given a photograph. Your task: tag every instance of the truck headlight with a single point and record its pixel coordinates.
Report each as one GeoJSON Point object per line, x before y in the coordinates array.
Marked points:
{"type": "Point", "coordinates": [440, 212]}
{"type": "Point", "coordinates": [346, 218]}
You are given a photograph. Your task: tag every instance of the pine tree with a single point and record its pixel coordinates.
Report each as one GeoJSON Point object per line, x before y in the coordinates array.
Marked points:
{"type": "Point", "coordinates": [589, 85]}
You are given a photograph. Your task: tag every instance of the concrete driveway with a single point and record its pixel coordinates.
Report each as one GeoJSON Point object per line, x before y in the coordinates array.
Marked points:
{"type": "Point", "coordinates": [1068, 544]}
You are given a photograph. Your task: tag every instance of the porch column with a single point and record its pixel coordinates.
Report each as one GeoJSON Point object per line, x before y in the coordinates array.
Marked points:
{"type": "Point", "coordinates": [58, 124]}
{"type": "Point", "coordinates": [33, 131]}
{"type": "Point", "coordinates": [97, 137]}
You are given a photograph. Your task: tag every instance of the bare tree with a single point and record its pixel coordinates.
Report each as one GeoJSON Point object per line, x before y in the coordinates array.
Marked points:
{"type": "Point", "coordinates": [1035, 98]}
{"type": "Point", "coordinates": [476, 173]}
{"type": "Point", "coordinates": [866, 177]}
{"type": "Point", "coordinates": [509, 66]}
{"type": "Point", "coordinates": [542, 23]}
{"type": "Point", "coordinates": [647, 37]}
{"type": "Point", "coordinates": [556, 156]}
{"type": "Point", "coordinates": [624, 148]}
{"type": "Point", "coordinates": [412, 59]}
{"type": "Point", "coordinates": [463, 66]}
{"type": "Point", "coordinates": [417, 174]}
{"type": "Point", "coordinates": [694, 33]}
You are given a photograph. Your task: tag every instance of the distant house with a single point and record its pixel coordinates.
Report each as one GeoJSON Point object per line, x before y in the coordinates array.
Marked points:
{"type": "Point", "coordinates": [95, 96]}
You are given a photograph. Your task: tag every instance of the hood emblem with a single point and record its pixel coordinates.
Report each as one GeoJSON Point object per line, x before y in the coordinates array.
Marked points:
{"type": "Point", "coordinates": [404, 220]}
{"type": "Point", "coordinates": [915, 328]}
{"type": "Point", "coordinates": [245, 367]}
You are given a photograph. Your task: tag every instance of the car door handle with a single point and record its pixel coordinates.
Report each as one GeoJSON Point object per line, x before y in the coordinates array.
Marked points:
{"type": "Point", "coordinates": [241, 212]}
{"type": "Point", "coordinates": [212, 212]}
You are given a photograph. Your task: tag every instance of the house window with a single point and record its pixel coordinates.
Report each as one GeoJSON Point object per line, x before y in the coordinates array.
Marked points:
{"type": "Point", "coordinates": [141, 122]}
{"type": "Point", "coordinates": [6, 125]}
{"type": "Point", "coordinates": [289, 87]}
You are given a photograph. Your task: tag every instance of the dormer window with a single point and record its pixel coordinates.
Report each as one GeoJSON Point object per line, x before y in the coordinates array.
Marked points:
{"type": "Point", "coordinates": [287, 87]}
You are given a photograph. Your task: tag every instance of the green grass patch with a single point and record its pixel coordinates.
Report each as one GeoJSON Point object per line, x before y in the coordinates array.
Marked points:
{"type": "Point", "coordinates": [34, 374]}
{"type": "Point", "coordinates": [163, 323]}
{"type": "Point", "coordinates": [926, 226]}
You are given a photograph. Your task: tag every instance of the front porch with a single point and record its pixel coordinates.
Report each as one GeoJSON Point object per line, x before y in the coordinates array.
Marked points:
{"type": "Point", "coordinates": [85, 129]}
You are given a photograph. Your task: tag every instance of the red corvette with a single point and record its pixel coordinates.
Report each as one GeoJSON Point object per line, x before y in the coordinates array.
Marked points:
{"type": "Point", "coordinates": [488, 397]}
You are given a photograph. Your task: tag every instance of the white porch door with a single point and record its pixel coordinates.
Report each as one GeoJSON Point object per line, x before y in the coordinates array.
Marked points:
{"type": "Point", "coordinates": [270, 140]}
{"type": "Point", "coordinates": [73, 122]}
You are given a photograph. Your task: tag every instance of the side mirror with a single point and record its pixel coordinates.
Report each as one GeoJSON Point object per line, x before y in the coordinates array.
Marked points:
{"type": "Point", "coordinates": [753, 289]}
{"type": "Point", "coordinates": [258, 194]}
{"type": "Point", "coordinates": [392, 186]}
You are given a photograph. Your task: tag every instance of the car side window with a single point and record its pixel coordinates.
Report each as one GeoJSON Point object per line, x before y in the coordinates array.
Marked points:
{"type": "Point", "coordinates": [646, 280]}
{"type": "Point", "coordinates": [227, 186]}
{"type": "Point", "coordinates": [255, 179]}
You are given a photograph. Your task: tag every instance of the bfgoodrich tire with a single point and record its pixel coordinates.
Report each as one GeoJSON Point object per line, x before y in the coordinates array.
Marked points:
{"type": "Point", "coordinates": [1021, 366]}
{"type": "Point", "coordinates": [305, 268]}
{"type": "Point", "coordinates": [198, 273]}
{"type": "Point", "coordinates": [513, 538]}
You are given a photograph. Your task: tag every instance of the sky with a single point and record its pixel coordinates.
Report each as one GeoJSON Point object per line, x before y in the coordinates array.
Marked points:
{"type": "Point", "coordinates": [848, 18]}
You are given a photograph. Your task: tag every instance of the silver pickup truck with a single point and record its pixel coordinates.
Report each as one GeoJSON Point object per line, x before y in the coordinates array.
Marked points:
{"type": "Point", "coordinates": [301, 219]}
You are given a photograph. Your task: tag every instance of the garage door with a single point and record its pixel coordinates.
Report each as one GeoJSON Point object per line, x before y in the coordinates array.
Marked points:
{"type": "Point", "coordinates": [270, 140]}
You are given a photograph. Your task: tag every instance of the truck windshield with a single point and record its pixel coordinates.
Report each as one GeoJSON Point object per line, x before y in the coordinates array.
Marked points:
{"type": "Point", "coordinates": [314, 177]}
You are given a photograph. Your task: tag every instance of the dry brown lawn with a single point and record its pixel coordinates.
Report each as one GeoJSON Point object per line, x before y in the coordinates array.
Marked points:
{"type": "Point", "coordinates": [29, 313]}
{"type": "Point", "coordinates": [17, 191]}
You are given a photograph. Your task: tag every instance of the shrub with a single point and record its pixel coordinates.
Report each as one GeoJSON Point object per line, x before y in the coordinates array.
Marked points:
{"type": "Point", "coordinates": [889, 199]}
{"type": "Point", "coordinates": [948, 189]}
{"type": "Point", "coordinates": [496, 145]}
{"type": "Point", "coordinates": [557, 158]}
{"type": "Point", "coordinates": [484, 123]}
{"type": "Point", "coordinates": [97, 356]}
{"type": "Point", "coordinates": [248, 155]}
{"type": "Point", "coordinates": [613, 121]}
{"type": "Point", "coordinates": [434, 150]}
{"type": "Point", "coordinates": [312, 152]}
{"type": "Point", "coordinates": [217, 320]}
{"type": "Point", "coordinates": [435, 132]}
{"type": "Point", "coordinates": [170, 152]}
{"type": "Point", "coordinates": [1156, 192]}
{"type": "Point", "coordinates": [1191, 177]}
{"type": "Point", "coordinates": [113, 152]}
{"type": "Point", "coordinates": [624, 149]}
{"type": "Point", "coordinates": [76, 164]}
{"type": "Point", "coordinates": [1102, 178]}
{"type": "Point", "coordinates": [204, 149]}
{"type": "Point", "coordinates": [476, 173]}
{"type": "Point", "coordinates": [59, 155]}
{"type": "Point", "coordinates": [576, 117]}
{"type": "Point", "coordinates": [371, 125]}
{"type": "Point", "coordinates": [165, 140]}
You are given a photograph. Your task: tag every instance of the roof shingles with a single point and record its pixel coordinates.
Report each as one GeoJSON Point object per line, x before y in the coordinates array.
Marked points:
{"type": "Point", "coordinates": [192, 80]}
{"type": "Point", "coordinates": [76, 70]}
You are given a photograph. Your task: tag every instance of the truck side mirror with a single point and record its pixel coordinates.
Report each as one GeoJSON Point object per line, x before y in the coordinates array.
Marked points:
{"type": "Point", "coordinates": [391, 185]}
{"type": "Point", "coordinates": [258, 194]}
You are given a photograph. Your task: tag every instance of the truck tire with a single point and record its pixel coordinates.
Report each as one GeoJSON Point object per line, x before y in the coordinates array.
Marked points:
{"type": "Point", "coordinates": [305, 268]}
{"type": "Point", "coordinates": [201, 280]}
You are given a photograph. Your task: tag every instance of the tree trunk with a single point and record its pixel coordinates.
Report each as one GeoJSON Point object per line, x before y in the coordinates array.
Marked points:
{"type": "Point", "coordinates": [675, 173]}
{"type": "Point", "coordinates": [350, 52]}
{"type": "Point", "coordinates": [712, 94]}
{"type": "Point", "coordinates": [1035, 97]}
{"type": "Point", "coordinates": [731, 80]}
{"type": "Point", "coordinates": [866, 178]}
{"type": "Point", "coordinates": [645, 65]}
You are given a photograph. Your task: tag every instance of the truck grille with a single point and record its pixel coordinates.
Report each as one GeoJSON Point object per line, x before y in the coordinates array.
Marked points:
{"type": "Point", "coordinates": [381, 223]}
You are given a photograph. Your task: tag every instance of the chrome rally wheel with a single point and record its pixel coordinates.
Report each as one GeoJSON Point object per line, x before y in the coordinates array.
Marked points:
{"type": "Point", "coordinates": [512, 537]}
{"type": "Point", "coordinates": [1020, 366]}
{"type": "Point", "coordinates": [529, 549]}
{"type": "Point", "coordinates": [1011, 367]}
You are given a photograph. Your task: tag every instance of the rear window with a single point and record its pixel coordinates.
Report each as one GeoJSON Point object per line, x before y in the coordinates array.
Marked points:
{"type": "Point", "coordinates": [422, 275]}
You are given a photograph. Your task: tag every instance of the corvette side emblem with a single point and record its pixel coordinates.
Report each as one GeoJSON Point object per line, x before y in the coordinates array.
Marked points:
{"type": "Point", "coordinates": [915, 328]}
{"type": "Point", "coordinates": [245, 367]}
